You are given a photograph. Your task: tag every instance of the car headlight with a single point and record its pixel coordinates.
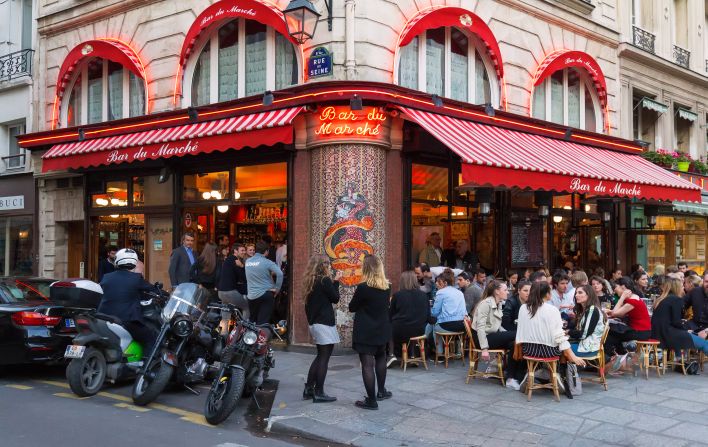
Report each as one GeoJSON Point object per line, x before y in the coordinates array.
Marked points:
{"type": "Point", "coordinates": [181, 326]}
{"type": "Point", "coordinates": [250, 337]}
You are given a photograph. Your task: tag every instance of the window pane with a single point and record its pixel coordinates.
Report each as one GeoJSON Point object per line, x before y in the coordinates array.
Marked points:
{"type": "Point", "coordinates": [137, 95]}
{"type": "Point", "coordinates": [27, 24]}
{"type": "Point", "coordinates": [459, 47]}
{"type": "Point", "coordinates": [539, 101]}
{"type": "Point", "coordinates": [408, 65]}
{"type": "Point", "coordinates": [557, 101]}
{"type": "Point", "coordinates": [435, 61]}
{"type": "Point", "coordinates": [483, 91]}
{"type": "Point", "coordinates": [116, 195]}
{"type": "Point", "coordinates": [115, 91]}
{"type": "Point", "coordinates": [213, 186]}
{"type": "Point", "coordinates": [285, 62]}
{"type": "Point", "coordinates": [261, 182]}
{"type": "Point", "coordinates": [16, 242]}
{"type": "Point", "coordinates": [228, 61]}
{"type": "Point", "coordinates": [95, 91]}
{"type": "Point", "coordinates": [255, 57]}
{"type": "Point", "coordinates": [573, 98]}
{"type": "Point", "coordinates": [429, 183]}
{"type": "Point", "coordinates": [73, 111]}
{"type": "Point", "coordinates": [200, 81]}
{"type": "Point", "coordinates": [148, 191]}
{"type": "Point", "coordinates": [590, 120]}
{"type": "Point", "coordinates": [15, 149]}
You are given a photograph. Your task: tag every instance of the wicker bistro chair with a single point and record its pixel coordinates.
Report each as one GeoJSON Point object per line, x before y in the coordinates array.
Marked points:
{"type": "Point", "coordinates": [648, 349]}
{"type": "Point", "coordinates": [420, 341]}
{"type": "Point", "coordinates": [456, 339]}
{"type": "Point", "coordinates": [673, 360]}
{"type": "Point", "coordinates": [474, 355]}
{"type": "Point", "coordinates": [532, 364]}
{"type": "Point", "coordinates": [598, 362]}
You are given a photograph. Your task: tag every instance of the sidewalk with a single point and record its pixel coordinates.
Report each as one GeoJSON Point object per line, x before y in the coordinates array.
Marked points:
{"type": "Point", "coordinates": [436, 407]}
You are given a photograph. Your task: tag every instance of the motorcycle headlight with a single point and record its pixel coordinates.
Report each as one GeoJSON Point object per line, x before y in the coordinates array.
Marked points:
{"type": "Point", "coordinates": [250, 337]}
{"type": "Point", "coordinates": [181, 325]}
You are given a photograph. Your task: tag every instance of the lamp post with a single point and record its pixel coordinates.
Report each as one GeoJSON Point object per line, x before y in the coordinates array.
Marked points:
{"type": "Point", "coordinates": [301, 18]}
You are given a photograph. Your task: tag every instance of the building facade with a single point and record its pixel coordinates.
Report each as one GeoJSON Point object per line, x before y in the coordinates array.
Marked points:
{"type": "Point", "coordinates": [495, 124]}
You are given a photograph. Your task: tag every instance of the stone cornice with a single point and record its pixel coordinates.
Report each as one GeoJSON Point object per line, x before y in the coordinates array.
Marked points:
{"type": "Point", "coordinates": [631, 52]}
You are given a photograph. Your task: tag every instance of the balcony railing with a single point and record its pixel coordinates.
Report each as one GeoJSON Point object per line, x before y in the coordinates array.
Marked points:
{"type": "Point", "coordinates": [682, 56]}
{"type": "Point", "coordinates": [643, 39]}
{"type": "Point", "coordinates": [16, 65]}
{"type": "Point", "coordinates": [14, 161]}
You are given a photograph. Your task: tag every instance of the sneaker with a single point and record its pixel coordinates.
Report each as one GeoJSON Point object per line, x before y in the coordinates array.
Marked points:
{"type": "Point", "coordinates": [391, 361]}
{"type": "Point", "coordinates": [491, 369]}
{"type": "Point", "coordinates": [513, 384]}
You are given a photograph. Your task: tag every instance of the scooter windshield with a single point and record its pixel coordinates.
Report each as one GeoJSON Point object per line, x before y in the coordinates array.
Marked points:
{"type": "Point", "coordinates": [187, 299]}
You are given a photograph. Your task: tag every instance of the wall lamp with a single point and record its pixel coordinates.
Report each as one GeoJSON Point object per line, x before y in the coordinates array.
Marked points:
{"type": "Point", "coordinates": [605, 208]}
{"type": "Point", "coordinates": [651, 212]}
{"type": "Point", "coordinates": [301, 17]}
{"type": "Point", "coordinates": [268, 98]}
{"type": "Point", "coordinates": [355, 103]}
{"type": "Point", "coordinates": [544, 201]}
{"type": "Point", "coordinates": [483, 197]}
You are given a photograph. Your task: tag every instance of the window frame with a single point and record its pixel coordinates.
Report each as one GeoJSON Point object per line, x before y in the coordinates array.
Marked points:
{"type": "Point", "coordinates": [212, 39]}
{"type": "Point", "coordinates": [586, 84]}
{"type": "Point", "coordinates": [473, 46]}
{"type": "Point", "coordinates": [21, 155]}
{"type": "Point", "coordinates": [81, 73]}
{"type": "Point", "coordinates": [675, 127]}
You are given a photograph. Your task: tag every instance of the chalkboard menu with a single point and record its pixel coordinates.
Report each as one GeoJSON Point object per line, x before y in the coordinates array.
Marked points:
{"type": "Point", "coordinates": [526, 243]}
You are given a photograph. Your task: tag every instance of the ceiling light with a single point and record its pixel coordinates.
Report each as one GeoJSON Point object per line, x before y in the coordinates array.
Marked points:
{"type": "Point", "coordinates": [557, 219]}
{"type": "Point", "coordinates": [216, 195]}
{"type": "Point", "coordinates": [237, 195]}
{"type": "Point", "coordinates": [115, 201]}
{"type": "Point", "coordinates": [223, 209]}
{"type": "Point", "coordinates": [206, 195]}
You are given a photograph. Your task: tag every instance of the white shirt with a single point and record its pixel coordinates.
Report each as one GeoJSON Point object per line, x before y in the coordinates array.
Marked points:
{"type": "Point", "coordinates": [545, 328]}
{"type": "Point", "coordinates": [568, 299]}
{"type": "Point", "coordinates": [280, 255]}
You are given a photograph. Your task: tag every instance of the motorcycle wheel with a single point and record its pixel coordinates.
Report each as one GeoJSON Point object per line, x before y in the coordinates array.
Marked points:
{"type": "Point", "coordinates": [144, 390]}
{"type": "Point", "coordinates": [223, 396]}
{"type": "Point", "coordinates": [87, 374]}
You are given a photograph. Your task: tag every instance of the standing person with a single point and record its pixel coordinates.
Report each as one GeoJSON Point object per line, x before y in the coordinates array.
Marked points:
{"type": "Point", "coordinates": [510, 313]}
{"type": "Point", "coordinates": [586, 337]}
{"type": "Point", "coordinates": [682, 267]}
{"type": "Point", "coordinates": [232, 280]}
{"type": "Point", "coordinates": [432, 253]}
{"type": "Point", "coordinates": [271, 248]}
{"type": "Point", "coordinates": [281, 253]}
{"type": "Point", "coordinates": [321, 292]}
{"type": "Point", "coordinates": [261, 287]}
{"type": "Point", "coordinates": [106, 265]}
{"type": "Point", "coordinates": [666, 323]}
{"type": "Point", "coordinates": [181, 261]}
{"type": "Point", "coordinates": [409, 311]}
{"type": "Point", "coordinates": [250, 250]}
{"type": "Point", "coordinates": [462, 258]}
{"type": "Point", "coordinates": [697, 301]}
{"type": "Point", "coordinates": [631, 308]}
{"type": "Point", "coordinates": [204, 270]}
{"type": "Point", "coordinates": [372, 330]}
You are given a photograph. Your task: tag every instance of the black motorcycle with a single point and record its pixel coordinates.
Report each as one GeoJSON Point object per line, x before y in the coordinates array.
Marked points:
{"type": "Point", "coordinates": [188, 342]}
{"type": "Point", "coordinates": [245, 363]}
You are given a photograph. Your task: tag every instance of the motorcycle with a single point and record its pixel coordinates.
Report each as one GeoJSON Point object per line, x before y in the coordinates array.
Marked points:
{"type": "Point", "coordinates": [188, 342]}
{"type": "Point", "coordinates": [245, 363]}
{"type": "Point", "coordinates": [104, 349]}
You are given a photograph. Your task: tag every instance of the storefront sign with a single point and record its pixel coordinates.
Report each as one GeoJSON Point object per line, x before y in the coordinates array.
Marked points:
{"type": "Point", "coordinates": [188, 220]}
{"type": "Point", "coordinates": [345, 124]}
{"type": "Point", "coordinates": [604, 187]}
{"type": "Point", "coordinates": [157, 245]}
{"type": "Point", "coordinates": [12, 203]}
{"type": "Point", "coordinates": [161, 151]}
{"type": "Point", "coordinates": [319, 63]}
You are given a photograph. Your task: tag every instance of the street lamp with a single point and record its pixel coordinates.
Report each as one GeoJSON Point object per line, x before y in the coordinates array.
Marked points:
{"type": "Point", "coordinates": [301, 18]}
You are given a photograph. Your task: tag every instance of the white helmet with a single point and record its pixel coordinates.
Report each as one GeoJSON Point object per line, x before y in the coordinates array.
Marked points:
{"type": "Point", "coordinates": [126, 259]}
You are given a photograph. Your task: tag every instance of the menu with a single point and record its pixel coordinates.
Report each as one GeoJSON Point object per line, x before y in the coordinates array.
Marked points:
{"type": "Point", "coordinates": [526, 243]}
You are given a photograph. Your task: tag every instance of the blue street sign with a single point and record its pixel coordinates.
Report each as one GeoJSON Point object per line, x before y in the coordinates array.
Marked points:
{"type": "Point", "coordinates": [319, 63]}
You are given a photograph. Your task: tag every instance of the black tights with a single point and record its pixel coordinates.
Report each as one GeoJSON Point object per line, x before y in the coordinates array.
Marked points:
{"type": "Point", "coordinates": [368, 364]}
{"type": "Point", "coordinates": [318, 368]}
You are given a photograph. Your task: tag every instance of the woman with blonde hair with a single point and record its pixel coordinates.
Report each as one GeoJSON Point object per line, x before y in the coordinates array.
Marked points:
{"type": "Point", "coordinates": [666, 324]}
{"type": "Point", "coordinates": [372, 329]}
{"type": "Point", "coordinates": [321, 292]}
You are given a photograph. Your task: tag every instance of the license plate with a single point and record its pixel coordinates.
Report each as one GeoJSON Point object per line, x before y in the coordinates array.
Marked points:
{"type": "Point", "coordinates": [74, 352]}
{"type": "Point", "coordinates": [69, 322]}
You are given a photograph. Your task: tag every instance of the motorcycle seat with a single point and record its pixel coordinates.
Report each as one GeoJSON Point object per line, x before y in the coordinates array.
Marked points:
{"type": "Point", "coordinates": [109, 318]}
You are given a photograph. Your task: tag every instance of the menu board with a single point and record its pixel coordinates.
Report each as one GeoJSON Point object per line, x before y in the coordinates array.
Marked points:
{"type": "Point", "coordinates": [526, 243]}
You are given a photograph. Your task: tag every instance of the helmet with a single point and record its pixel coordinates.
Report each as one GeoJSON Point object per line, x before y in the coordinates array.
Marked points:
{"type": "Point", "coordinates": [126, 259]}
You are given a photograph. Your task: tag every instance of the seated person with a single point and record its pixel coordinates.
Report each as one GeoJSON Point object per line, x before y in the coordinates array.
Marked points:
{"type": "Point", "coordinates": [409, 311]}
{"type": "Point", "coordinates": [449, 308]}
{"type": "Point", "coordinates": [513, 304]}
{"type": "Point", "coordinates": [666, 324]}
{"type": "Point", "coordinates": [562, 295]}
{"type": "Point", "coordinates": [472, 295]}
{"type": "Point", "coordinates": [586, 337]}
{"type": "Point", "coordinates": [697, 301]}
{"type": "Point", "coordinates": [488, 332]}
{"type": "Point", "coordinates": [632, 309]}
{"type": "Point", "coordinates": [122, 293]}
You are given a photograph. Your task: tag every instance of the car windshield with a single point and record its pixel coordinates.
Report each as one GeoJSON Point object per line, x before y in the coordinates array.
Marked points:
{"type": "Point", "coordinates": [9, 293]}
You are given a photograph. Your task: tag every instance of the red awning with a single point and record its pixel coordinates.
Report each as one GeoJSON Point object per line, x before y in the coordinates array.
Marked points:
{"type": "Point", "coordinates": [494, 156]}
{"type": "Point", "coordinates": [265, 128]}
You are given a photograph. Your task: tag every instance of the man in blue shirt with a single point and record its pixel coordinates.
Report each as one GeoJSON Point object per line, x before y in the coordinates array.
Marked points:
{"type": "Point", "coordinates": [181, 261]}
{"type": "Point", "coordinates": [261, 287]}
{"type": "Point", "coordinates": [449, 308]}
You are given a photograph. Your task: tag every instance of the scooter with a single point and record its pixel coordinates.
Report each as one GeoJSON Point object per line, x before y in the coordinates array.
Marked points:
{"type": "Point", "coordinates": [104, 349]}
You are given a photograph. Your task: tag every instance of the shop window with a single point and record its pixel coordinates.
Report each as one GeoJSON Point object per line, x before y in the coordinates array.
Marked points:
{"type": "Point", "coordinates": [148, 191]}
{"type": "Point", "coordinates": [429, 183]}
{"type": "Point", "coordinates": [261, 182]}
{"type": "Point", "coordinates": [568, 97]}
{"type": "Point", "coordinates": [16, 246]}
{"type": "Point", "coordinates": [103, 90]}
{"type": "Point", "coordinates": [683, 125]}
{"type": "Point", "coordinates": [212, 186]}
{"type": "Point", "coordinates": [242, 58]}
{"type": "Point", "coordinates": [448, 62]}
{"type": "Point", "coordinates": [116, 194]}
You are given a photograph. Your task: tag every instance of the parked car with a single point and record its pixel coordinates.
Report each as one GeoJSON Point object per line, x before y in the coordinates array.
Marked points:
{"type": "Point", "coordinates": [34, 328]}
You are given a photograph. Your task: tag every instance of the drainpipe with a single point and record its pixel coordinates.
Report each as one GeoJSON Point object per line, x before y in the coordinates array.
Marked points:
{"type": "Point", "coordinates": [350, 32]}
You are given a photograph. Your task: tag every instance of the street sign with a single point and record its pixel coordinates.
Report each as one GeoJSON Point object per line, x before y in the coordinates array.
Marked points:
{"type": "Point", "coordinates": [319, 63]}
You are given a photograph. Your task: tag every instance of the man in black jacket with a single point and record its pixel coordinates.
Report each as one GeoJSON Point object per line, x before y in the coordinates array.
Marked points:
{"type": "Point", "coordinates": [181, 261]}
{"type": "Point", "coordinates": [697, 300]}
{"type": "Point", "coordinates": [105, 266]}
{"type": "Point", "coordinates": [232, 281]}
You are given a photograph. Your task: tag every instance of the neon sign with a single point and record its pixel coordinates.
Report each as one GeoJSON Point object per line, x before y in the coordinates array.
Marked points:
{"type": "Point", "coordinates": [344, 122]}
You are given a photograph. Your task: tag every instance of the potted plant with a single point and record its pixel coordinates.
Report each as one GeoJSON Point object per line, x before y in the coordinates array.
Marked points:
{"type": "Point", "coordinates": [699, 167]}
{"type": "Point", "coordinates": [683, 161]}
{"type": "Point", "coordinates": [660, 157]}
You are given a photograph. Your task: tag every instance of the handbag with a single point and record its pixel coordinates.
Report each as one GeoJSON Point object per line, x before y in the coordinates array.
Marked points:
{"type": "Point", "coordinates": [575, 385]}
{"type": "Point", "coordinates": [618, 326]}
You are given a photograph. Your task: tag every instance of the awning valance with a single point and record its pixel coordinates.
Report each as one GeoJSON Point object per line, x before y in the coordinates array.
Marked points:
{"type": "Point", "coordinates": [693, 208]}
{"type": "Point", "coordinates": [686, 114]}
{"type": "Point", "coordinates": [264, 128]}
{"type": "Point", "coordinates": [653, 105]}
{"type": "Point", "coordinates": [499, 157]}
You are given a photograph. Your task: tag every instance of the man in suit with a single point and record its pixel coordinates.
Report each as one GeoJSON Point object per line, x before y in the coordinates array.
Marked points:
{"type": "Point", "coordinates": [105, 265]}
{"type": "Point", "coordinates": [181, 261]}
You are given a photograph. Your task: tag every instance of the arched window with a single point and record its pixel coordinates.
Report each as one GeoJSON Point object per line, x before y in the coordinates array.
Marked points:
{"type": "Point", "coordinates": [449, 62]}
{"type": "Point", "coordinates": [568, 97]}
{"type": "Point", "coordinates": [102, 90]}
{"type": "Point", "coordinates": [242, 58]}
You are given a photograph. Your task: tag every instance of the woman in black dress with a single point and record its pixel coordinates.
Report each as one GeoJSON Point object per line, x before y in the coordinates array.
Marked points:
{"type": "Point", "coordinates": [666, 323]}
{"type": "Point", "coordinates": [410, 311]}
{"type": "Point", "coordinates": [372, 329]}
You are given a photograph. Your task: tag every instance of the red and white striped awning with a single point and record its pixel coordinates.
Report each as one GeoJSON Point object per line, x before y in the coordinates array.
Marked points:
{"type": "Point", "coordinates": [499, 157]}
{"type": "Point", "coordinates": [257, 129]}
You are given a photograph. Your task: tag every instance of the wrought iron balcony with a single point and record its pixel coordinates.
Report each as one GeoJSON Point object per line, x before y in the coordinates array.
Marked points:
{"type": "Point", "coordinates": [682, 56]}
{"type": "Point", "coordinates": [15, 161]}
{"type": "Point", "coordinates": [643, 39]}
{"type": "Point", "coordinates": [16, 65]}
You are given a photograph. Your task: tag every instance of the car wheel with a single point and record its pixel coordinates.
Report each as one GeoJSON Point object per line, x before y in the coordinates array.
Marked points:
{"type": "Point", "coordinates": [87, 374]}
